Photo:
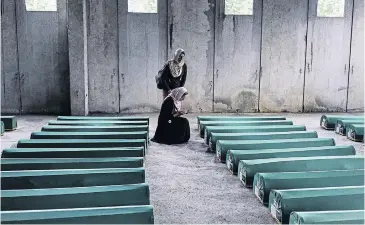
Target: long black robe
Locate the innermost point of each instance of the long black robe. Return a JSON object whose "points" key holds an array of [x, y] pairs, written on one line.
{"points": [[170, 129]]}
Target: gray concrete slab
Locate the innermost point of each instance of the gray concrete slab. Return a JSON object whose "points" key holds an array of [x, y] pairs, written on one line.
{"points": [[103, 56], [187, 185], [10, 87], [43, 59], [77, 39], [328, 52], [356, 79], [191, 27], [284, 27], [237, 60]]}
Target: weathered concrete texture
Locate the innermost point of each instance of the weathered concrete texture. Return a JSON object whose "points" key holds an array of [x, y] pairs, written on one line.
{"points": [[43, 59], [103, 56], [356, 79], [10, 92], [77, 38], [191, 27], [283, 55], [237, 61], [163, 31], [328, 52], [138, 91]]}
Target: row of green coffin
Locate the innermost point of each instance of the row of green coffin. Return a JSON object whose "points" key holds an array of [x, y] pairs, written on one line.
{"points": [[142, 214], [11, 164], [254, 129], [237, 118], [248, 168], [283, 202], [73, 152], [204, 124], [10, 122], [224, 146], [263, 182], [328, 217], [258, 136], [235, 156], [328, 122], [342, 125], [355, 132]]}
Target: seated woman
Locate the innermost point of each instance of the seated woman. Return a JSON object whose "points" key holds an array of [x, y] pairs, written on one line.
{"points": [[171, 128]]}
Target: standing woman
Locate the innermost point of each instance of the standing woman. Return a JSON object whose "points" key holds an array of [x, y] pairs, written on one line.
{"points": [[171, 127], [174, 73]]}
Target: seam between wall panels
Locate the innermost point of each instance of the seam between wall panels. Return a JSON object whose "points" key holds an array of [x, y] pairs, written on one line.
{"points": [[350, 54], [214, 50], [17, 57], [305, 52], [118, 57], [260, 65]]}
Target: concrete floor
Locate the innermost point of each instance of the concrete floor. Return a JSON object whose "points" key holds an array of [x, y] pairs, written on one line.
{"points": [[186, 184]]}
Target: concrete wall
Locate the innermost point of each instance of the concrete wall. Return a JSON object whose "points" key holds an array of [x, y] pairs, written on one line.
{"points": [[327, 60], [35, 58], [139, 53], [237, 60], [356, 77], [103, 56], [283, 58]]}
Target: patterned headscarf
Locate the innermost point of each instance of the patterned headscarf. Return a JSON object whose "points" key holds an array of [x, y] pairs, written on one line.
{"points": [[177, 94], [176, 67]]}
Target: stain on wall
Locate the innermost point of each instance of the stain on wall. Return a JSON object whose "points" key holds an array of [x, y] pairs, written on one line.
{"points": [[327, 61], [283, 55]]}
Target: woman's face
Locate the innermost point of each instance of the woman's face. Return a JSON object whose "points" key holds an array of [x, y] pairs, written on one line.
{"points": [[183, 97], [181, 56]]}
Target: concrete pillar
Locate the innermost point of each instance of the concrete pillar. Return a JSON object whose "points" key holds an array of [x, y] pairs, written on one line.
{"points": [[77, 36]]}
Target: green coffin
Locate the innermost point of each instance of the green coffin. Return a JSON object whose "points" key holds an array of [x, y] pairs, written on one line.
{"points": [[89, 135], [126, 128], [261, 129], [265, 182], [328, 217], [2, 128], [118, 118], [238, 118], [100, 215], [96, 123], [355, 132], [341, 125], [283, 202], [258, 136], [40, 179], [248, 168], [75, 197], [72, 152], [204, 124], [224, 146], [70, 163], [80, 143], [10, 122], [328, 121], [235, 156]]}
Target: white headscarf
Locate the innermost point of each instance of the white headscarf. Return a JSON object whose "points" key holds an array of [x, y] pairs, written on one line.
{"points": [[177, 94], [176, 67]]}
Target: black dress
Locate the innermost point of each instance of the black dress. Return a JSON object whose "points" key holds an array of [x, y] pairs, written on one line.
{"points": [[170, 129]]}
